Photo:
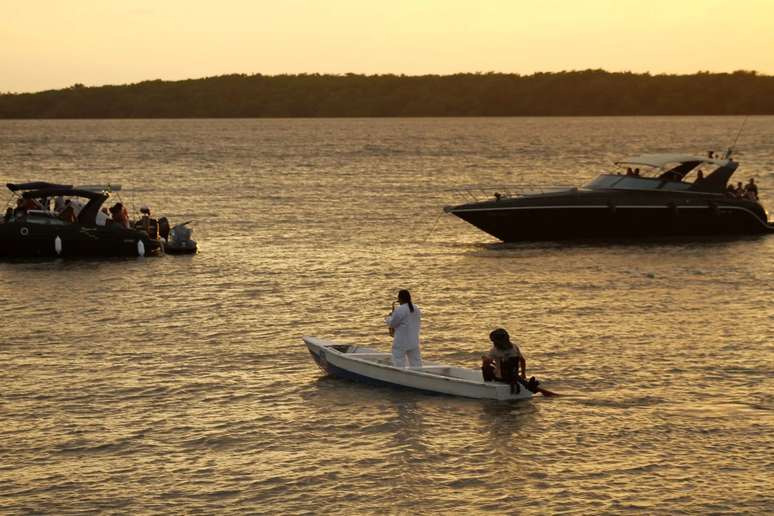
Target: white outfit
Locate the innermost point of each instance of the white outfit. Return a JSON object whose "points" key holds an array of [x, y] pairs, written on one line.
{"points": [[101, 218], [77, 206], [405, 341]]}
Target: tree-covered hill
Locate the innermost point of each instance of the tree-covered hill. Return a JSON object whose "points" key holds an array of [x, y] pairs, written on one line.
{"points": [[590, 92]]}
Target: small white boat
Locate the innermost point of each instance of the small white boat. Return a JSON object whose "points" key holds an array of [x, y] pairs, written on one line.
{"points": [[370, 366]]}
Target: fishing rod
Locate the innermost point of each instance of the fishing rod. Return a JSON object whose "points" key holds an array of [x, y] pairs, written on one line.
{"points": [[738, 134]]}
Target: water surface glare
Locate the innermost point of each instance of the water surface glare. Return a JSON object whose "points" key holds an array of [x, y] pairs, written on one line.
{"points": [[181, 384]]}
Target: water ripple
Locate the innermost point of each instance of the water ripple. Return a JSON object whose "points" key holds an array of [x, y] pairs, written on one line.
{"points": [[180, 384]]}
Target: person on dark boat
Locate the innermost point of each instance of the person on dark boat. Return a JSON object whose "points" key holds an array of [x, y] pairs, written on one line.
{"points": [[751, 190], [20, 210], [404, 323], [103, 216], [148, 224], [77, 206], [68, 213], [59, 204], [31, 204], [120, 215], [115, 213]]}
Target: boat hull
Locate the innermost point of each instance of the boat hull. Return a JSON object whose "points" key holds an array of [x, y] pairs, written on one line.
{"points": [[551, 222], [21, 238], [337, 360], [185, 247]]}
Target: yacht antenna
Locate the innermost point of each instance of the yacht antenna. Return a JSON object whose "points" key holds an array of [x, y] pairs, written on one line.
{"points": [[733, 146]]}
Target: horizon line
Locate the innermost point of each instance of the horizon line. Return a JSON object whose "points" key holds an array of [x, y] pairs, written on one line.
{"points": [[391, 74]]}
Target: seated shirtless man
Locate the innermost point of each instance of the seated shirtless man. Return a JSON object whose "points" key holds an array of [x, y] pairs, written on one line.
{"points": [[504, 362]]}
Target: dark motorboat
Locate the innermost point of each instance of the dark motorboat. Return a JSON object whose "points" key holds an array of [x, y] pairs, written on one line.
{"points": [[33, 230], [675, 199]]}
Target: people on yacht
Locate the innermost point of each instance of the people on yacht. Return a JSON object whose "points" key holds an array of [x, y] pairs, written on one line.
{"points": [[148, 224], [59, 204], [102, 217], [636, 172], [77, 206], [24, 205], [699, 177], [120, 215], [68, 213], [751, 190], [740, 191], [20, 210], [32, 204]]}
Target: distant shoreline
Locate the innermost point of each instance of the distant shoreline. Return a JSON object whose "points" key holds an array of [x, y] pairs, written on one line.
{"points": [[589, 93]]}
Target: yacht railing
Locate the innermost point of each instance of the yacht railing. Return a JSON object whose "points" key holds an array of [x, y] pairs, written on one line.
{"points": [[479, 193]]}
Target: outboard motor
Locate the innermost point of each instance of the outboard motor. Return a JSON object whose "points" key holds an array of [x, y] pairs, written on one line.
{"points": [[180, 233]]}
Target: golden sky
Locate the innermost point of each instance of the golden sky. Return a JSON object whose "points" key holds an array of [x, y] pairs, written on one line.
{"points": [[46, 44]]}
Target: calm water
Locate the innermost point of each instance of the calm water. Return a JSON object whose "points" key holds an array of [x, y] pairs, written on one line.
{"points": [[181, 384]]}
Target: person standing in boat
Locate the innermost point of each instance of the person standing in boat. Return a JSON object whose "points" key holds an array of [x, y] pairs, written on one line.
{"points": [[404, 323]]}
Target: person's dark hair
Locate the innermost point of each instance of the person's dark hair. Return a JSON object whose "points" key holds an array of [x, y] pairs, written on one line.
{"points": [[500, 339], [405, 297]]}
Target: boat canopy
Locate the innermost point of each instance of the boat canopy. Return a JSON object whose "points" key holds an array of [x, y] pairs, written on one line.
{"points": [[88, 214], [64, 192], [661, 160], [100, 188], [35, 185]]}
